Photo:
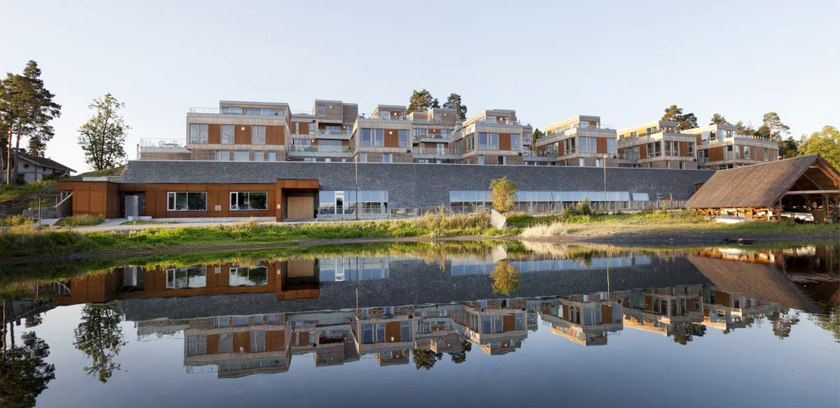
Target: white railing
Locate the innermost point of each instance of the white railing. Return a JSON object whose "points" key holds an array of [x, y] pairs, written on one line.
{"points": [[162, 143], [320, 149], [438, 152]]}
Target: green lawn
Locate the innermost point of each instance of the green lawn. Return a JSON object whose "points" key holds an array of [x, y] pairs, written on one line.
{"points": [[10, 193]]}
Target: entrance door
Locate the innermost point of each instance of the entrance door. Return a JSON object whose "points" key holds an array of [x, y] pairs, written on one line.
{"points": [[301, 207], [132, 206], [339, 202]]}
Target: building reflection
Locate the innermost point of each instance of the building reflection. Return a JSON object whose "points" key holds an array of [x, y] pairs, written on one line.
{"points": [[723, 289]]}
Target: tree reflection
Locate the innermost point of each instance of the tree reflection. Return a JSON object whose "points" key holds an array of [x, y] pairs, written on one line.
{"points": [[830, 322], [686, 332], [24, 373], [505, 278], [782, 323], [425, 358], [100, 337], [461, 356]]}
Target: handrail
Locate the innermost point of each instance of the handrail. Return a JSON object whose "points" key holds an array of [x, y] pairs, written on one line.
{"points": [[154, 142]]}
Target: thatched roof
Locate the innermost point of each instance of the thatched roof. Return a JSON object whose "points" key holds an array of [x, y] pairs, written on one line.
{"points": [[759, 185]]}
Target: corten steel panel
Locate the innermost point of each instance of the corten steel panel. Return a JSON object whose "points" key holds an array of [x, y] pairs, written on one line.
{"points": [[740, 151], [301, 207], [504, 141], [601, 145], [275, 135], [643, 150], [303, 338], [684, 149], [392, 138], [214, 134], [242, 134], [392, 331]]}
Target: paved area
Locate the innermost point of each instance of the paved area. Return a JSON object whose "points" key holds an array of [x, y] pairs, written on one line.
{"points": [[116, 224]]}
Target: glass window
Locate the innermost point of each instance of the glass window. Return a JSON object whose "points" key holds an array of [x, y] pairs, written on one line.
{"points": [[387, 158], [363, 157], [515, 142], [405, 330], [404, 141], [227, 134], [611, 146], [272, 156], [185, 278], [196, 345], [588, 145], [256, 276], [223, 155], [198, 133], [248, 200], [480, 159], [185, 201], [258, 135], [241, 155], [226, 343]]}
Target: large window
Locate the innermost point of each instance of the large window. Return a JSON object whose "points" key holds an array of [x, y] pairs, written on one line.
{"points": [[746, 153], [227, 134], [371, 202], [515, 142], [654, 149], [198, 133], [488, 141], [185, 278], [373, 138], [244, 276], [184, 201], [569, 146], [223, 155], [248, 200], [672, 148], [611, 146], [241, 155], [405, 141], [258, 135], [588, 144]]}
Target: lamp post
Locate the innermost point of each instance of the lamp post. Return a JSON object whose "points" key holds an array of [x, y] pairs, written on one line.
{"points": [[604, 165]]}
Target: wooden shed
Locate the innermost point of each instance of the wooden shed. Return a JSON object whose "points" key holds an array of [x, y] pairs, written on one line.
{"points": [[795, 187]]}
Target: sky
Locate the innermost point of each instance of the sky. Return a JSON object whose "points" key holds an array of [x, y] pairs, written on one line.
{"points": [[625, 61]]}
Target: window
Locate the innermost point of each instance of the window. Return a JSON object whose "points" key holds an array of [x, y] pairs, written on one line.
{"points": [[183, 201], [256, 276], [259, 156], [272, 156], [186, 278], [515, 142], [672, 148], [258, 135], [387, 158], [480, 159], [588, 145], [569, 145], [581, 162], [488, 141], [226, 343], [405, 142], [321, 110], [746, 152], [654, 149], [241, 155], [363, 157], [598, 163], [405, 330], [227, 134], [258, 341], [611, 146], [223, 155], [196, 345], [198, 133], [248, 200]]}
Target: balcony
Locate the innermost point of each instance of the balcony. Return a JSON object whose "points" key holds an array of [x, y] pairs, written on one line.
{"points": [[436, 153], [334, 134], [278, 113], [540, 156], [433, 137], [320, 151], [163, 146]]}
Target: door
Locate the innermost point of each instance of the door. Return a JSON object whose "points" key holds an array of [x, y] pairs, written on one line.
{"points": [[301, 207], [339, 202], [132, 206]]}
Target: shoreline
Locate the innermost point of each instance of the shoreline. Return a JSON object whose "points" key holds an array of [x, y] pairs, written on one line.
{"points": [[675, 239]]}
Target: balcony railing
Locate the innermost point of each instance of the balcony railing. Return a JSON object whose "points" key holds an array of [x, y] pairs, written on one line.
{"points": [[430, 151], [539, 153], [377, 117], [163, 143], [242, 112], [320, 149], [342, 134]]}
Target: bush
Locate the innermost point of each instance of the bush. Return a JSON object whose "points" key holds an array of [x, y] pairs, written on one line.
{"points": [[15, 220], [81, 220], [545, 231]]}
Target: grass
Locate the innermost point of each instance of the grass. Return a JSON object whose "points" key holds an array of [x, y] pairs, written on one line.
{"points": [[82, 220], [116, 171], [15, 221], [22, 241], [144, 222], [12, 192]]}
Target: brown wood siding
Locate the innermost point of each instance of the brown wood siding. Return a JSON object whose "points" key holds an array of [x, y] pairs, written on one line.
{"points": [[606, 314], [214, 134], [508, 321], [213, 344], [683, 149], [392, 330], [504, 141], [757, 153], [716, 154], [303, 128], [601, 145], [392, 138], [242, 134], [275, 340], [275, 135], [642, 150], [561, 148]]}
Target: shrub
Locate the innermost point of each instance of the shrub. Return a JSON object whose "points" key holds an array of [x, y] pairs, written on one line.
{"points": [[81, 220], [15, 220], [545, 231]]}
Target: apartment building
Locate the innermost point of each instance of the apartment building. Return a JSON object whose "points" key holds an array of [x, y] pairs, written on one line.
{"points": [[657, 144], [322, 134], [580, 141], [722, 147], [492, 137]]}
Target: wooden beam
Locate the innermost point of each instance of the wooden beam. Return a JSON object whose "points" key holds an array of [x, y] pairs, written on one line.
{"points": [[801, 192]]}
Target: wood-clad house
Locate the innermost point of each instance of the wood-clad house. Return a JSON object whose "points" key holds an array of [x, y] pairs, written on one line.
{"points": [[765, 191]]}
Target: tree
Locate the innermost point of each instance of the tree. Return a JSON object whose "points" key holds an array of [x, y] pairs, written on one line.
{"points": [[502, 193], [420, 101], [27, 108], [102, 137], [25, 373], [461, 356], [788, 148], [536, 135], [675, 114], [100, 337], [826, 143], [454, 102], [425, 358], [686, 332], [772, 127], [718, 119], [505, 278]]}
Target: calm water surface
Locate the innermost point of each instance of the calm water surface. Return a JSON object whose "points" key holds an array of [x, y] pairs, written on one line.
{"points": [[474, 324]]}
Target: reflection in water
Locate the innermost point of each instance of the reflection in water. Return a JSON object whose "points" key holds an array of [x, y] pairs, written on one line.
{"points": [[239, 318]]}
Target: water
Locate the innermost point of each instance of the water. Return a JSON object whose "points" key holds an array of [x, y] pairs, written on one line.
{"points": [[430, 324]]}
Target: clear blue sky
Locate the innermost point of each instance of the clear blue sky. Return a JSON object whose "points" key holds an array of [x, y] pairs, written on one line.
{"points": [[625, 61]]}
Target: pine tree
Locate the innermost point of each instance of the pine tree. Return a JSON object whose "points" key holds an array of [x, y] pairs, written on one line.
{"points": [[420, 101], [718, 119], [675, 114], [102, 137], [454, 102]]}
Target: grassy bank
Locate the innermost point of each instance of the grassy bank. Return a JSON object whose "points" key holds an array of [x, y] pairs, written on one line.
{"points": [[28, 241]]}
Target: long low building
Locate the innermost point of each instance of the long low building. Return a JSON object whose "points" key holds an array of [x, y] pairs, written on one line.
{"points": [[307, 190]]}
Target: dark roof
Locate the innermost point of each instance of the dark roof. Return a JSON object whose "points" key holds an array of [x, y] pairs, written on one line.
{"points": [[44, 162], [759, 185]]}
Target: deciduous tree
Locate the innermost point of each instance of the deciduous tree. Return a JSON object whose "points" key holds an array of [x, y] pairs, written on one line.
{"points": [[826, 143], [505, 278], [100, 337], [503, 193], [102, 137]]}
